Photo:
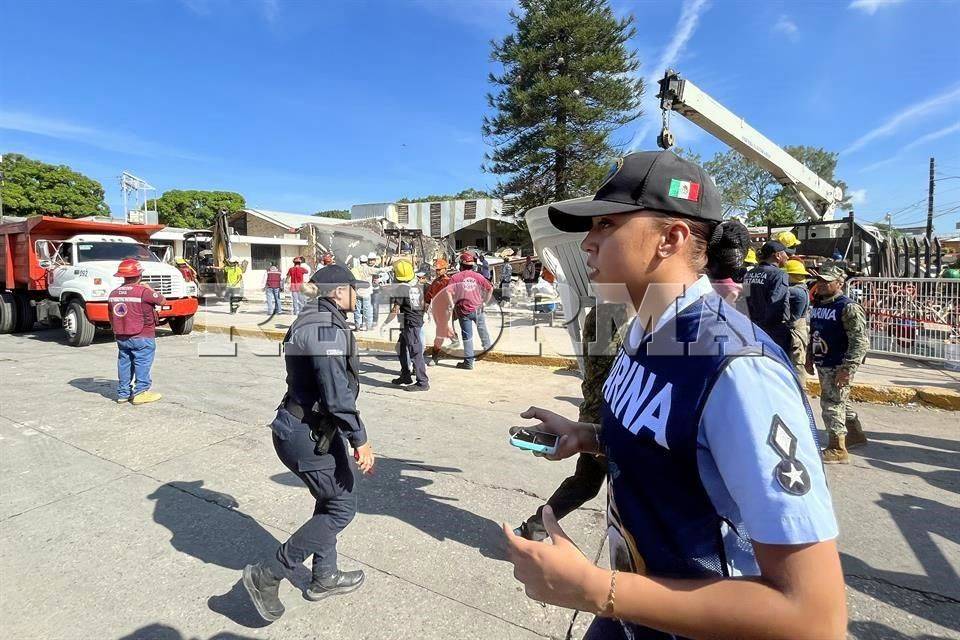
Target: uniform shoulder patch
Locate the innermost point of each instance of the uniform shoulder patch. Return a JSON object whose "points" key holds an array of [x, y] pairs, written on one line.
{"points": [[790, 473]]}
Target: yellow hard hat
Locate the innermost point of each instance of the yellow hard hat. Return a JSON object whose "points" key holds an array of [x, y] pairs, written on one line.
{"points": [[796, 268], [751, 257], [403, 271], [787, 239]]}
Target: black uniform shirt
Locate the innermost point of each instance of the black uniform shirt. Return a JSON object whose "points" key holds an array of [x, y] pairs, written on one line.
{"points": [[322, 364], [409, 297]]}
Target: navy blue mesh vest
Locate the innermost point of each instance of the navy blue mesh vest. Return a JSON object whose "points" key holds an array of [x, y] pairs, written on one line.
{"points": [[661, 519], [828, 336]]}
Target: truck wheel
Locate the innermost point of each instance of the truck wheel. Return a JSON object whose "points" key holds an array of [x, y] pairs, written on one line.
{"points": [[80, 330], [8, 312], [181, 325], [26, 314]]}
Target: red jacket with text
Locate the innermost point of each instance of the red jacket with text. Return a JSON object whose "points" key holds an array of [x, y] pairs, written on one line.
{"points": [[133, 311]]}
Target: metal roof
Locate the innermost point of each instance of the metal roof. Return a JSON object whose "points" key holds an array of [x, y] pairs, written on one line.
{"points": [[292, 220]]}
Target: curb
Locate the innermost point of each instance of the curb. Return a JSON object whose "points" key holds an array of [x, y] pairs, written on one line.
{"points": [[556, 362], [947, 399], [880, 394]]}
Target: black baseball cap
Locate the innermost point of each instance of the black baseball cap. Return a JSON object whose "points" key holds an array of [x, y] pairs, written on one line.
{"points": [[652, 180], [771, 247], [337, 275]]}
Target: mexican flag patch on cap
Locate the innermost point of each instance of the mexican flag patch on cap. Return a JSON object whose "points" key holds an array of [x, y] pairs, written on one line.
{"points": [[685, 190]]}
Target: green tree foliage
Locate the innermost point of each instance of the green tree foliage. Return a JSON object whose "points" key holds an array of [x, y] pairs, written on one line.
{"points": [[31, 187], [568, 82], [195, 209], [343, 214], [747, 189], [466, 194]]}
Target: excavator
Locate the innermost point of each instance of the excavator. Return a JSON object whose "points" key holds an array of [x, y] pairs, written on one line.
{"points": [[207, 252]]}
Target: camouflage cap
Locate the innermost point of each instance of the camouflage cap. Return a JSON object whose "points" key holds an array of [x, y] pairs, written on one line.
{"points": [[831, 271]]}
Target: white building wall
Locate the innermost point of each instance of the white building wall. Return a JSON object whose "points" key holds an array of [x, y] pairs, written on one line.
{"points": [[377, 210]]}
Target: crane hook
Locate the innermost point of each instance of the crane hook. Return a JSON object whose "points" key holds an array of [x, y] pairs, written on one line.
{"points": [[665, 140]]}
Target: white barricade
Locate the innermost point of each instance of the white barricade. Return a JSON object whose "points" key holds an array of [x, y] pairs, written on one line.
{"points": [[911, 317]]}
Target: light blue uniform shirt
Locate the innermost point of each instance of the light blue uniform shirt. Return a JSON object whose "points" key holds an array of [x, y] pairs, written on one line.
{"points": [[738, 458]]}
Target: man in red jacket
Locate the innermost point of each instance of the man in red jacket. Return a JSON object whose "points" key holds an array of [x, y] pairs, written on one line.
{"points": [[133, 317]]}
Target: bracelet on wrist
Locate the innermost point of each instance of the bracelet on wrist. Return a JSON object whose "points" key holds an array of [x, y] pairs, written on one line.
{"points": [[609, 607]]}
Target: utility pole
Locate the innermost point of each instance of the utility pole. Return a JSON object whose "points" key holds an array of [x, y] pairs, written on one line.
{"points": [[930, 205]]}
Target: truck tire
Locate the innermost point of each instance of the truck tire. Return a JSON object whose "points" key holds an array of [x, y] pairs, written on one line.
{"points": [[80, 331], [26, 314], [8, 312], [181, 325]]}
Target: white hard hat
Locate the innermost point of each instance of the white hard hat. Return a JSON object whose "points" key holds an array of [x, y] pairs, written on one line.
{"points": [[372, 256]]}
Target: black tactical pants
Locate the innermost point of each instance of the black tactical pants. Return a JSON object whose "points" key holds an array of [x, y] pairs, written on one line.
{"points": [[330, 479], [583, 486], [410, 347]]}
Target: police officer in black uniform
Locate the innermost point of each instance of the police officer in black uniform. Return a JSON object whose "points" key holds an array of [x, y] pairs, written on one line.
{"points": [[317, 414], [767, 289]]}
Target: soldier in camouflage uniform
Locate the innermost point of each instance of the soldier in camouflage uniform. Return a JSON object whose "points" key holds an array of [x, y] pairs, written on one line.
{"points": [[599, 353], [839, 342]]}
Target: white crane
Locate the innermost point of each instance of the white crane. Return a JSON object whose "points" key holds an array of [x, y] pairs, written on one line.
{"points": [[818, 197]]}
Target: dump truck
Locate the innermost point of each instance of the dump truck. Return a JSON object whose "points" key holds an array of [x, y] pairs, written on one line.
{"points": [[59, 271]]}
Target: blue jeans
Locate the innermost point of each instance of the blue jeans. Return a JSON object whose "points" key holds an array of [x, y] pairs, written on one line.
{"points": [[363, 313], [134, 359], [466, 328], [298, 301], [273, 301]]}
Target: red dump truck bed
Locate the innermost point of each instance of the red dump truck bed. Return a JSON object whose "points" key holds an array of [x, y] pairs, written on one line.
{"points": [[19, 266]]}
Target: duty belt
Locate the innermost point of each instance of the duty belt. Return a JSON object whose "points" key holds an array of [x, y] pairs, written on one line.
{"points": [[322, 429]]}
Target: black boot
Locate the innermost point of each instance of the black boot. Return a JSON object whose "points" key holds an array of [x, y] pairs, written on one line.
{"points": [[405, 378], [336, 584], [263, 586]]}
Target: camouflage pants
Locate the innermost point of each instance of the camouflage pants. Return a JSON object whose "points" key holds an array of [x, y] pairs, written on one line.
{"points": [[799, 338], [834, 401]]}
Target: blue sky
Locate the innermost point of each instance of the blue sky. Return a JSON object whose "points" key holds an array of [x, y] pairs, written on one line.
{"points": [[303, 105]]}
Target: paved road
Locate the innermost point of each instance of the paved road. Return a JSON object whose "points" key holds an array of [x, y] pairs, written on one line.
{"points": [[134, 522]]}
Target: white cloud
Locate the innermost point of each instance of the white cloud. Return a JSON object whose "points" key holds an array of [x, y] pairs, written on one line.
{"points": [[911, 113], [787, 27], [870, 7], [107, 140], [935, 135], [857, 196], [684, 30], [922, 140]]}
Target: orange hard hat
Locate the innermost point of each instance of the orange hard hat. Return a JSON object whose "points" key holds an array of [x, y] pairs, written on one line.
{"points": [[441, 263], [129, 268]]}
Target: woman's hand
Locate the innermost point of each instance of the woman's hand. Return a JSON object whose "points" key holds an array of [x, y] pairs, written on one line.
{"points": [[364, 457], [557, 573], [575, 437]]}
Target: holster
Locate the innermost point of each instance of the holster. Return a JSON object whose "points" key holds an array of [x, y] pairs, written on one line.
{"points": [[322, 428]]}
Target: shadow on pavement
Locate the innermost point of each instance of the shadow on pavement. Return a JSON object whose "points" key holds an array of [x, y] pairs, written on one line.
{"points": [[921, 522], [933, 452], [158, 631], [392, 491], [101, 386], [863, 630], [220, 536]]}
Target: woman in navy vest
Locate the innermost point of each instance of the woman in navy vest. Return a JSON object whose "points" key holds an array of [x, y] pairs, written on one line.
{"points": [[714, 469]]}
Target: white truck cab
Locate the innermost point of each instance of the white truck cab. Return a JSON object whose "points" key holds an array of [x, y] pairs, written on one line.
{"points": [[81, 276]]}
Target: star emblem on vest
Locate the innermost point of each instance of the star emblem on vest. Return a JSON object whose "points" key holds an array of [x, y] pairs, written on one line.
{"points": [[790, 473]]}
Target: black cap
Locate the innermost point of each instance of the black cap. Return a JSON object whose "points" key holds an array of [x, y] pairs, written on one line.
{"points": [[770, 248], [337, 275], [652, 180]]}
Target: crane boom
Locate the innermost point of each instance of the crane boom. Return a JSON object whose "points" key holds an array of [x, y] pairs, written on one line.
{"points": [[817, 196]]}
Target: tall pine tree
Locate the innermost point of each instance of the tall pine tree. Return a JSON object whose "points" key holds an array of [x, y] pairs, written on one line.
{"points": [[568, 82]]}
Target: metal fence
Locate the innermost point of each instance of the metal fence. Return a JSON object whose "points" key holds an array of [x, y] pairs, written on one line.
{"points": [[911, 317]]}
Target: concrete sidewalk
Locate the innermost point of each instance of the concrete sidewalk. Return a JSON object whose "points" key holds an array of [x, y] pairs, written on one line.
{"points": [[520, 339]]}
